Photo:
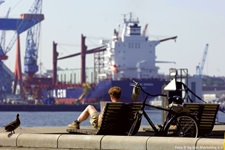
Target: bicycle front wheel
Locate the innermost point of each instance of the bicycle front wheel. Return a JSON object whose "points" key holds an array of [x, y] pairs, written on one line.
{"points": [[182, 126]]}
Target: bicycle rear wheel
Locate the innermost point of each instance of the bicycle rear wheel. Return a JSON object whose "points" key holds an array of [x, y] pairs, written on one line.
{"points": [[182, 126], [136, 124]]}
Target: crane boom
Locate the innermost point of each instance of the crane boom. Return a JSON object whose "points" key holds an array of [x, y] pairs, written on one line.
{"points": [[145, 30], [199, 68]]}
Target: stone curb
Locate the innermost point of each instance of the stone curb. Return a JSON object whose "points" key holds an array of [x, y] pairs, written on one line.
{"points": [[69, 141], [80, 141]]}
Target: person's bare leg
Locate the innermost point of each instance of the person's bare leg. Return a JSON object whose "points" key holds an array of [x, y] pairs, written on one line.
{"points": [[86, 113]]}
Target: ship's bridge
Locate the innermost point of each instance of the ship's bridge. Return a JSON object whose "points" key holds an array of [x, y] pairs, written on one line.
{"points": [[134, 30]]}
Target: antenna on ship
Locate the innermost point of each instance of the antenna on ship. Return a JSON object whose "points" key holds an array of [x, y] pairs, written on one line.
{"points": [[131, 14], [124, 17], [125, 24]]}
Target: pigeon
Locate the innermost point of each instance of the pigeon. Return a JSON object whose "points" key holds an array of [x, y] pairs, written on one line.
{"points": [[11, 127]]}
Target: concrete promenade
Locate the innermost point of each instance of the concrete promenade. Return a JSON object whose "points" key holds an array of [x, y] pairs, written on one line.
{"points": [[52, 138]]}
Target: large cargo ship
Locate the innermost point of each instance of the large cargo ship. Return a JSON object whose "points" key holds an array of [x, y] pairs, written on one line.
{"points": [[129, 55]]}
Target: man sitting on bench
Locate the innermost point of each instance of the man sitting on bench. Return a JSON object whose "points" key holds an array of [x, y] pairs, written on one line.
{"points": [[95, 117]]}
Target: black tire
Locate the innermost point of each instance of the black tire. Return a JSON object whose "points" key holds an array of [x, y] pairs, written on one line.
{"points": [[182, 126]]}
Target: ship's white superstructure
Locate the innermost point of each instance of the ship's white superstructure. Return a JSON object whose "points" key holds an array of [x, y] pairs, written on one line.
{"points": [[131, 54]]}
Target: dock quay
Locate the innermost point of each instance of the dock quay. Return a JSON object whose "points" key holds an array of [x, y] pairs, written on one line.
{"points": [[56, 138]]}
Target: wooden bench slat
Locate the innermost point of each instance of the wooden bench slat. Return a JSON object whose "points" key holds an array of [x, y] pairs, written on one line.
{"points": [[206, 114], [117, 119]]}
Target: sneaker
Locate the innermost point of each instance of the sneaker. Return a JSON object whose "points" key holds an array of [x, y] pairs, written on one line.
{"points": [[74, 125]]}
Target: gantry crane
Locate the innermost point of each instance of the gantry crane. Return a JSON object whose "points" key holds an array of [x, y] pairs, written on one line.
{"points": [[32, 43], [200, 67], [4, 88], [19, 26], [31, 52]]}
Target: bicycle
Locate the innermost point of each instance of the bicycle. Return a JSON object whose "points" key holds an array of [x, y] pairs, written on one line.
{"points": [[180, 121]]}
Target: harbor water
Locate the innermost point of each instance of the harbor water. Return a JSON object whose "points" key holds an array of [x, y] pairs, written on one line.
{"points": [[51, 119]]}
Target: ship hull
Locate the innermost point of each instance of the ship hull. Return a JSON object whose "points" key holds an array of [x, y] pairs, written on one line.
{"points": [[100, 92]]}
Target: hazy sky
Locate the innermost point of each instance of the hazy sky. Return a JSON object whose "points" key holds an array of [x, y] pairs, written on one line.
{"points": [[196, 23]]}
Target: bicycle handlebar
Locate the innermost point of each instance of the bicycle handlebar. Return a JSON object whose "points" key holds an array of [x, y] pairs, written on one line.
{"points": [[137, 85]]}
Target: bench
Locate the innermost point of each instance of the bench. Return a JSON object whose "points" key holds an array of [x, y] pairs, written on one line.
{"points": [[206, 115], [117, 119]]}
